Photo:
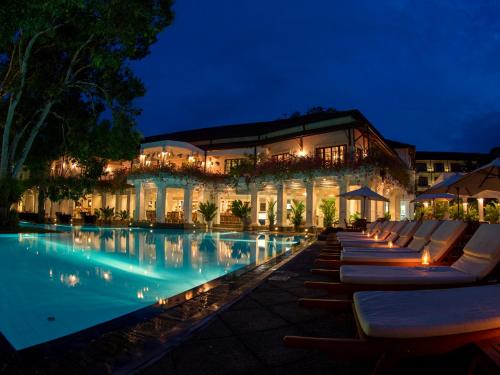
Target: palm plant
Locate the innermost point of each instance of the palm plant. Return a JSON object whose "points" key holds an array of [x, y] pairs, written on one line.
{"points": [[271, 216], [107, 213], [208, 210], [241, 210], [123, 215], [328, 209], [298, 209]]}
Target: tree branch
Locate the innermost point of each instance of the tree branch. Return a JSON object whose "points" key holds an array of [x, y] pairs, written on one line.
{"points": [[34, 132]]}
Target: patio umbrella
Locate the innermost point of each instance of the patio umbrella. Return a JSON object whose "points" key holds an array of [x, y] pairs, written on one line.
{"points": [[485, 178], [443, 186], [364, 194]]}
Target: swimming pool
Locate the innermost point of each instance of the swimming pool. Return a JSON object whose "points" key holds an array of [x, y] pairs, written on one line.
{"points": [[55, 284]]}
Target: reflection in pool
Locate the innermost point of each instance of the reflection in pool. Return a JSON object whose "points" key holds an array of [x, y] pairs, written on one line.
{"points": [[59, 283]]}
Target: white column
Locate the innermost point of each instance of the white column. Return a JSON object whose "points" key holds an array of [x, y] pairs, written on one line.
{"points": [[343, 187], [281, 205], [139, 202], [216, 198], [480, 208], [188, 205], [254, 203], [160, 202], [118, 203], [129, 201], [103, 200], [310, 204]]}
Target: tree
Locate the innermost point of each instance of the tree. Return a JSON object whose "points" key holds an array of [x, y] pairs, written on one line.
{"points": [[63, 59]]}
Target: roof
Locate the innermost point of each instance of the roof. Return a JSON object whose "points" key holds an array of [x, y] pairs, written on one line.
{"points": [[397, 144], [445, 155], [260, 132]]}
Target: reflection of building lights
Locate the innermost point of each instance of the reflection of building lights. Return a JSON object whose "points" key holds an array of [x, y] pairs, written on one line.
{"points": [[140, 295], [89, 240], [50, 273], [106, 276]]}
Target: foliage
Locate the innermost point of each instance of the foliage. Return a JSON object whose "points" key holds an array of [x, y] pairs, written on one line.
{"points": [[328, 209], [471, 214], [97, 213], [271, 215], [354, 217], [241, 209], [456, 211], [440, 210], [208, 210], [298, 209], [387, 215], [107, 213], [66, 85], [123, 215], [492, 212]]}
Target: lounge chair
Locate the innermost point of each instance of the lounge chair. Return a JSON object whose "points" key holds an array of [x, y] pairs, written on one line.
{"points": [[420, 238], [404, 324], [481, 256], [370, 231], [389, 235], [442, 242]]}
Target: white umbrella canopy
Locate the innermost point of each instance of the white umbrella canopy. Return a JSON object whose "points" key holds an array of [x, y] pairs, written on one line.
{"points": [[364, 194], [443, 186], [429, 197], [482, 179], [487, 194]]}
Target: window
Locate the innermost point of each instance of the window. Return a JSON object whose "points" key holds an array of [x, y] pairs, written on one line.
{"points": [[456, 167], [423, 181], [438, 167], [421, 167], [262, 207], [331, 155], [281, 157], [231, 163]]}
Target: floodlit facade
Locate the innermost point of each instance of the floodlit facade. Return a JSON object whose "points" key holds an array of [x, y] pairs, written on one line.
{"points": [[306, 158]]}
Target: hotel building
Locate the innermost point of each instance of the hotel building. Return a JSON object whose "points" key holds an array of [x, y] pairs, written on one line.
{"points": [[306, 158]]}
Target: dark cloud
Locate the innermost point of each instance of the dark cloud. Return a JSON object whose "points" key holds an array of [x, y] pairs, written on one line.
{"points": [[424, 72]]}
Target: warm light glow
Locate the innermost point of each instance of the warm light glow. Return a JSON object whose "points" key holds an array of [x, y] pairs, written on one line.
{"points": [[390, 243], [275, 228], [191, 159], [376, 237], [363, 232], [301, 153], [106, 276], [426, 257], [426, 204]]}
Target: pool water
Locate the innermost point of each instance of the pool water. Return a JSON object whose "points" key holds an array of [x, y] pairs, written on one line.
{"points": [[55, 284]]}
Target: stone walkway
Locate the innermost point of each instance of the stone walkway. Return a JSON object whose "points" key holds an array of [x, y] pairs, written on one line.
{"points": [[247, 337]]}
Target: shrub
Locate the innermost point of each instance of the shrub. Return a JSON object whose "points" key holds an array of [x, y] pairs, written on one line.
{"points": [[271, 216], [328, 209], [240, 209], [492, 213], [208, 210], [298, 209]]}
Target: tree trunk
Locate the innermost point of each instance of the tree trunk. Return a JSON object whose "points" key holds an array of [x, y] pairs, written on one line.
{"points": [[41, 205]]}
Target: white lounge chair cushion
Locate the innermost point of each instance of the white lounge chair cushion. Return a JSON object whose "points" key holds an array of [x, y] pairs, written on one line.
{"points": [[388, 275], [378, 249], [386, 257], [482, 252], [444, 237], [423, 234], [428, 313]]}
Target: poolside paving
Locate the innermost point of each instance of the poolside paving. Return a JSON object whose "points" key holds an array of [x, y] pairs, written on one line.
{"points": [[247, 337]]}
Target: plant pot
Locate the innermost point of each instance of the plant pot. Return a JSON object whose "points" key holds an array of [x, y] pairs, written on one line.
{"points": [[210, 224], [246, 223], [271, 227]]}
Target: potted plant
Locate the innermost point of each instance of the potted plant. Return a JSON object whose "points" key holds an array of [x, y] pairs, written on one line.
{"points": [[298, 209], [242, 211], [107, 214], [271, 215], [208, 210], [328, 209], [123, 215]]}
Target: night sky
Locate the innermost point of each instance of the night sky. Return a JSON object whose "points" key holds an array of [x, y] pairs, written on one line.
{"points": [[423, 72]]}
